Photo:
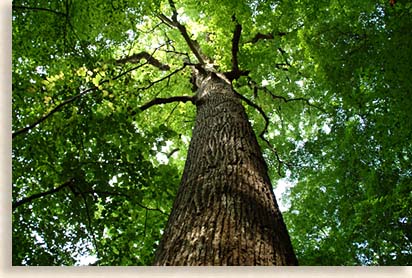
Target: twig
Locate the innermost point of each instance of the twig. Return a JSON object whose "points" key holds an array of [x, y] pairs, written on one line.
{"points": [[149, 31], [126, 196], [151, 83], [145, 224], [172, 152], [283, 53], [260, 36], [58, 107], [171, 112]]}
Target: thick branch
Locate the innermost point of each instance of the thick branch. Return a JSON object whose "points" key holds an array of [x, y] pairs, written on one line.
{"points": [[158, 101], [166, 21], [42, 194], [193, 45], [235, 72], [260, 36], [235, 47], [135, 58]]}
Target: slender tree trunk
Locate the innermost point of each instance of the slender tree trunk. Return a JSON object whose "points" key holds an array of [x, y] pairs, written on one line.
{"points": [[225, 212]]}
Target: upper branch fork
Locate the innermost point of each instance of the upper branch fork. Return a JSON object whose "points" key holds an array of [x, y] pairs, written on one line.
{"points": [[235, 72], [174, 23]]}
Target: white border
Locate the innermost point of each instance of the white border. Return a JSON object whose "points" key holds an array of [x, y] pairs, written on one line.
{"points": [[6, 270]]}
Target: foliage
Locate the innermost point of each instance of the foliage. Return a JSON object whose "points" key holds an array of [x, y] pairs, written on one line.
{"points": [[332, 77], [351, 204]]}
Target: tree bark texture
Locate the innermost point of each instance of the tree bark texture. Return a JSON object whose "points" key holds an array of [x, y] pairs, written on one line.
{"points": [[225, 212]]}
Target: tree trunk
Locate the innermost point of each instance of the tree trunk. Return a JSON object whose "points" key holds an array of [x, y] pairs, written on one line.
{"points": [[225, 212]]}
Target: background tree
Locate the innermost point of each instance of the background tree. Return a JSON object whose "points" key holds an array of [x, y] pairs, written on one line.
{"points": [[95, 170]]}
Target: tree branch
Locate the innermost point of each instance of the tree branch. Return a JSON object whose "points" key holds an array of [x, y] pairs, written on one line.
{"points": [[260, 36], [235, 73], [58, 107], [172, 152], [89, 221], [193, 45], [126, 196], [158, 101], [254, 86], [265, 129], [135, 58], [283, 53], [16, 7], [235, 46], [42, 194], [51, 112], [260, 110], [151, 83], [167, 21]]}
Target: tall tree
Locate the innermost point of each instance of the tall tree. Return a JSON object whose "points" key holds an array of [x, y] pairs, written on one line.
{"points": [[225, 212], [107, 96], [225, 181]]}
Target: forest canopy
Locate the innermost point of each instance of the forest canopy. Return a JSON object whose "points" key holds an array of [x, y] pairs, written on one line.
{"points": [[102, 118]]}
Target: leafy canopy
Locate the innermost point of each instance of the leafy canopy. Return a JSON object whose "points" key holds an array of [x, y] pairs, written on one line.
{"points": [[95, 171]]}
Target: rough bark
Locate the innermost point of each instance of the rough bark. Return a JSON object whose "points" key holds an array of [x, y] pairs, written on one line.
{"points": [[225, 212]]}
